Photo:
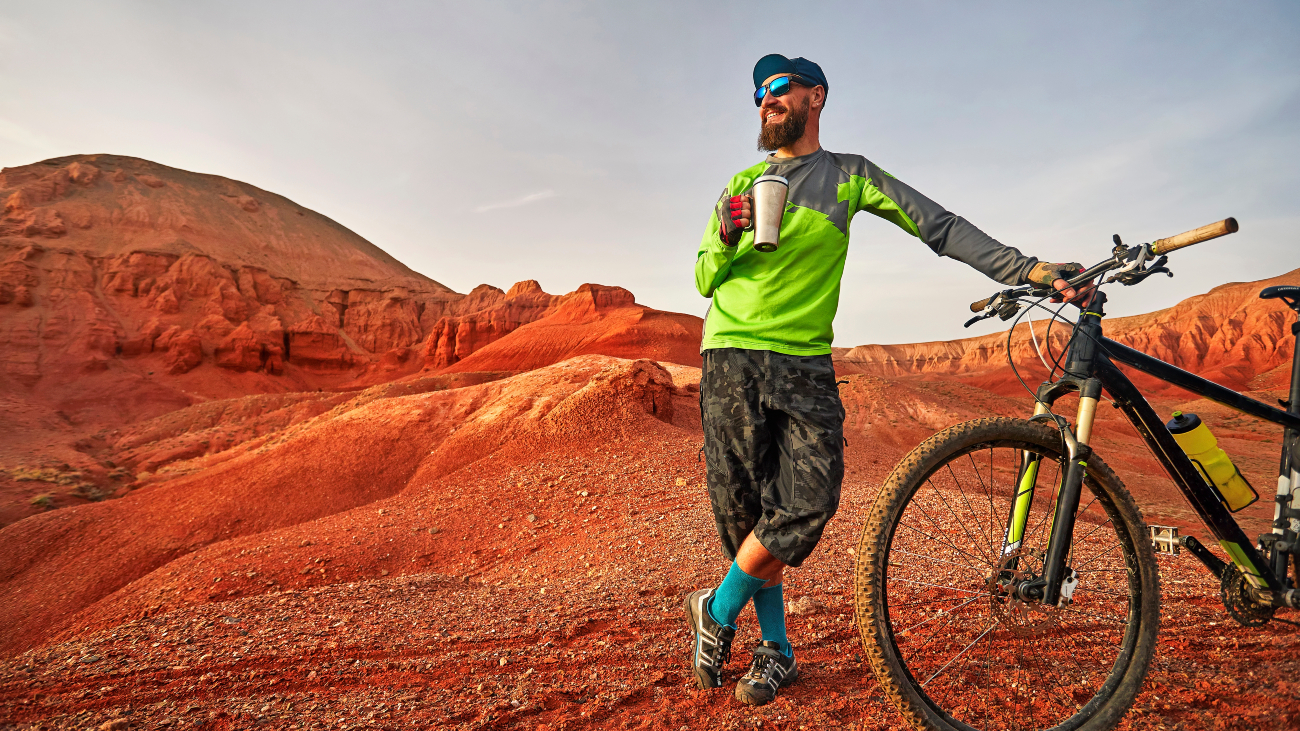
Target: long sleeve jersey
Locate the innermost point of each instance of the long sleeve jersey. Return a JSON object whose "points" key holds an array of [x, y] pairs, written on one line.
{"points": [[785, 301]]}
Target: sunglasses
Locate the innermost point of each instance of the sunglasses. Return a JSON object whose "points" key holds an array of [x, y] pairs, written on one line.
{"points": [[778, 87]]}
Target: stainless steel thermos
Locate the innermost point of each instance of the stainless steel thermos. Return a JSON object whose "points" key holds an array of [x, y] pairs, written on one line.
{"points": [[769, 206]]}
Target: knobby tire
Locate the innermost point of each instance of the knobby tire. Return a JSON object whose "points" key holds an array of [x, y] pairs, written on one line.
{"points": [[937, 601]]}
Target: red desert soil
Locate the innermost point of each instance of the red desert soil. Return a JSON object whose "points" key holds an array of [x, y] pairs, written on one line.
{"points": [[481, 511]]}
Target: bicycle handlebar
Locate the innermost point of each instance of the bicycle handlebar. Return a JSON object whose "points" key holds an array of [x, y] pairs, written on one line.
{"points": [[1195, 236], [1158, 247]]}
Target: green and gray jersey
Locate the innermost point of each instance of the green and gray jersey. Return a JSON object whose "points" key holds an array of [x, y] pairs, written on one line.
{"points": [[785, 301]]}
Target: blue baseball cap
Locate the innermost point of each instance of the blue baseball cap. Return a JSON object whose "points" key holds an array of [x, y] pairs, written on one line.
{"points": [[774, 63]]}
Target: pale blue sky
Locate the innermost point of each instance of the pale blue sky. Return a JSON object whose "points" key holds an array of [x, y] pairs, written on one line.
{"points": [[585, 142]]}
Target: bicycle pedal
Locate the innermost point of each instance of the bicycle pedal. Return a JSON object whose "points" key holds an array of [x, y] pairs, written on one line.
{"points": [[1164, 539]]}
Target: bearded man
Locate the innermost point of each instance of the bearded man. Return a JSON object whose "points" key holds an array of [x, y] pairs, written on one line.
{"points": [[773, 422]]}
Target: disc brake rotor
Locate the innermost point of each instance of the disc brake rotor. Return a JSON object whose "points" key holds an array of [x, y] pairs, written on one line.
{"points": [[1021, 618]]}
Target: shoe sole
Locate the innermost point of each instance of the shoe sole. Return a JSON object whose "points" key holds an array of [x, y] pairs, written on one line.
{"points": [[695, 645], [744, 696], [743, 692]]}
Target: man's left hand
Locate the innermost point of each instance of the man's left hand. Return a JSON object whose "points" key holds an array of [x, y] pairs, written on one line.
{"points": [[735, 213]]}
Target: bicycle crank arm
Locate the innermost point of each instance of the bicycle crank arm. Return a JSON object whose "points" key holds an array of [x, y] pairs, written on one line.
{"points": [[1212, 562]]}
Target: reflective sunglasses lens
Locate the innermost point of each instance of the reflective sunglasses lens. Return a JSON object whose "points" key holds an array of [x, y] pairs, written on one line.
{"points": [[780, 86], [759, 93]]}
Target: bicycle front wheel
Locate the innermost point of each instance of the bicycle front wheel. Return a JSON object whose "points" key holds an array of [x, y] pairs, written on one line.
{"points": [[950, 646]]}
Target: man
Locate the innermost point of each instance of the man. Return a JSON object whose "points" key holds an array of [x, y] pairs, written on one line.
{"points": [[773, 423]]}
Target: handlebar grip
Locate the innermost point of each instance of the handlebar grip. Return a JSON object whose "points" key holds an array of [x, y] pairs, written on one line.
{"points": [[1204, 233], [977, 306]]}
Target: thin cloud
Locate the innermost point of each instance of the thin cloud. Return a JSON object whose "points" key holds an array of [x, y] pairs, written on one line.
{"points": [[540, 195]]}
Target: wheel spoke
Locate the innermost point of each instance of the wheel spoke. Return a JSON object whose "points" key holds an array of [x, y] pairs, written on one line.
{"points": [[938, 586], [963, 652], [962, 524], [940, 540], [939, 615], [935, 560]]}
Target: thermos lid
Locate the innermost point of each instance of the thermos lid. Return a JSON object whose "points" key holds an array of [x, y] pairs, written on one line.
{"points": [[1182, 423], [772, 179]]}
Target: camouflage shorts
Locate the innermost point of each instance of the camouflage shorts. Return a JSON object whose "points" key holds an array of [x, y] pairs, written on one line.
{"points": [[774, 444]]}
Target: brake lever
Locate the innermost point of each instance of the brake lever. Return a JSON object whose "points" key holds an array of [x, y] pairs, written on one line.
{"points": [[1143, 251], [1000, 305], [1129, 278]]}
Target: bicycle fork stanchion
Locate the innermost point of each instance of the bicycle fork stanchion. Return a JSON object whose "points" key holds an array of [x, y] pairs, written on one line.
{"points": [[1027, 476], [1019, 519]]}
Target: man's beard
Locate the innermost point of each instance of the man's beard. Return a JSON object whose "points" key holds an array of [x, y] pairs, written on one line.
{"points": [[773, 137]]}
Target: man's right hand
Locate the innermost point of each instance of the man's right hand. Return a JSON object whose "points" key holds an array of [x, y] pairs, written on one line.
{"points": [[1054, 276], [734, 216]]}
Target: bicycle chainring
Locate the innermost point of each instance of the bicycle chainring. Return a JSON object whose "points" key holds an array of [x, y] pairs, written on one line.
{"points": [[1237, 600], [1021, 618]]}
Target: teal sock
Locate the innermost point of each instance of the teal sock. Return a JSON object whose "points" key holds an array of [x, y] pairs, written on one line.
{"points": [[732, 595], [769, 605]]}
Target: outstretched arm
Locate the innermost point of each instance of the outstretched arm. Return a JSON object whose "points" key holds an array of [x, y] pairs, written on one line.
{"points": [[947, 234]]}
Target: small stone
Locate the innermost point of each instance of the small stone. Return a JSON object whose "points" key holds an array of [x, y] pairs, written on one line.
{"points": [[530, 518], [87, 659], [383, 572], [803, 605], [503, 662], [681, 482], [117, 724]]}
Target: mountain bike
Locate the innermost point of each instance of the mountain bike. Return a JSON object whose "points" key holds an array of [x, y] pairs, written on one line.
{"points": [[1005, 578]]}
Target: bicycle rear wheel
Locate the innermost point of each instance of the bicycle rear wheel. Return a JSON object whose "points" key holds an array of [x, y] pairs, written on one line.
{"points": [[951, 649]]}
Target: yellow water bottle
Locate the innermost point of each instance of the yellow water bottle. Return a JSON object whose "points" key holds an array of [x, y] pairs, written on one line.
{"points": [[1219, 471]]}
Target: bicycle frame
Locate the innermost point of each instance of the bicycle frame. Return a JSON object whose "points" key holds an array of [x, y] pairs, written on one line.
{"points": [[1090, 368]]}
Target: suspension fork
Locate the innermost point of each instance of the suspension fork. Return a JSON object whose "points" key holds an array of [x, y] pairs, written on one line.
{"points": [[1048, 589], [1055, 572]]}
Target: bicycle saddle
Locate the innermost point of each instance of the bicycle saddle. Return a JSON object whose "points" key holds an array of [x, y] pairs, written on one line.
{"points": [[1286, 291]]}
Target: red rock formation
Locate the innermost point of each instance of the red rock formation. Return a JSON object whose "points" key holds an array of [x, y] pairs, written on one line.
{"points": [[592, 319], [101, 255], [128, 289], [493, 316]]}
